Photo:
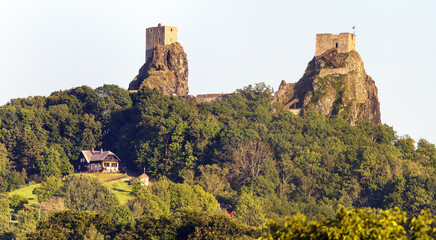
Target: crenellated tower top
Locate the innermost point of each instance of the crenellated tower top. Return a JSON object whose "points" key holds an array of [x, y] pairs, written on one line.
{"points": [[343, 42]]}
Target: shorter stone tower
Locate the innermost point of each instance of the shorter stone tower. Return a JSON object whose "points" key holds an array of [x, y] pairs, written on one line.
{"points": [[160, 35], [344, 42]]}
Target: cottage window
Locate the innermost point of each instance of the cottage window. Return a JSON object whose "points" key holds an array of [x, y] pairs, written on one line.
{"points": [[106, 164], [114, 164]]}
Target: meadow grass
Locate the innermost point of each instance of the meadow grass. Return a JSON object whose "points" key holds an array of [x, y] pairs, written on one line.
{"points": [[27, 192], [122, 189], [103, 176]]}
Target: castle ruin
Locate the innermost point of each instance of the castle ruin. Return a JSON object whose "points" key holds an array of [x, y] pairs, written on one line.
{"points": [[343, 43], [160, 35]]}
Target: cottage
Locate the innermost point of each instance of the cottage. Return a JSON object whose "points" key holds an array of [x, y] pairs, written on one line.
{"points": [[98, 161], [144, 178]]}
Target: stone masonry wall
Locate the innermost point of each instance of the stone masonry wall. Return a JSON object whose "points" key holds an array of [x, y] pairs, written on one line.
{"points": [[160, 35], [211, 97], [170, 35], [332, 71], [344, 42]]}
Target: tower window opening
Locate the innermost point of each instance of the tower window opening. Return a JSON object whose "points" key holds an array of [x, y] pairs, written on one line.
{"points": [[336, 45]]}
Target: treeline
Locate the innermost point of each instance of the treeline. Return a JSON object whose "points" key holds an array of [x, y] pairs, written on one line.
{"points": [[266, 162], [346, 224], [270, 163], [43, 136], [192, 225]]}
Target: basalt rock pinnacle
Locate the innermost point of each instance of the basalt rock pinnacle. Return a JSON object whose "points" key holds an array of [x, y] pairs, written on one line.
{"points": [[167, 71], [333, 84]]}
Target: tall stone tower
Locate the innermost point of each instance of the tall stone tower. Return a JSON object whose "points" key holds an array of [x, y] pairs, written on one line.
{"points": [[160, 35], [344, 42]]}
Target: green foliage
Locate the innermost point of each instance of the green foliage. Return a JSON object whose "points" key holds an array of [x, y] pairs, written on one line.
{"points": [[77, 225], [48, 188], [167, 198], [122, 213], [93, 234], [4, 214], [138, 189], [191, 225], [356, 224], [17, 202], [42, 134], [54, 162], [9, 180], [249, 210], [87, 193], [195, 225], [266, 164]]}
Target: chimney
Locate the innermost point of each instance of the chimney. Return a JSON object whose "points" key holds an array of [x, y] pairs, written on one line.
{"points": [[101, 150], [92, 150]]}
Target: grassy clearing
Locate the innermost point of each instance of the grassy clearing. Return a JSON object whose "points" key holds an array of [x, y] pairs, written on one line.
{"points": [[103, 176], [27, 192], [123, 190]]}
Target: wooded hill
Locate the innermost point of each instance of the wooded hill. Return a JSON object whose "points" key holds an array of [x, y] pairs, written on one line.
{"points": [[266, 162]]}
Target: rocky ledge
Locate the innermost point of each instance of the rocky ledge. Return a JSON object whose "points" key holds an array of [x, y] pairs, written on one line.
{"points": [[166, 71], [333, 85]]}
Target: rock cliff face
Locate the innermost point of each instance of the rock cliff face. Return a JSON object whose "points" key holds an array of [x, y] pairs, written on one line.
{"points": [[167, 71], [333, 84]]}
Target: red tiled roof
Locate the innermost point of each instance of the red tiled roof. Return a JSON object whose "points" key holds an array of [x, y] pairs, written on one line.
{"points": [[143, 176]]}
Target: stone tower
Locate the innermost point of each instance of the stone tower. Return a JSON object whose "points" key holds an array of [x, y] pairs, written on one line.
{"points": [[160, 35], [344, 42]]}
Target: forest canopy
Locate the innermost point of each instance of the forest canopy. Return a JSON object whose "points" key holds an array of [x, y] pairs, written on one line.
{"points": [[242, 151]]}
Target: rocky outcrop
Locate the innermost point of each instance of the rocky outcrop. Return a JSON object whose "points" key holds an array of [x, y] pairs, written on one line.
{"points": [[342, 88], [167, 71]]}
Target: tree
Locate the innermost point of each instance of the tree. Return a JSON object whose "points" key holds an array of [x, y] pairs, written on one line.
{"points": [[249, 209], [5, 168], [407, 146], [4, 214], [168, 198], [87, 193], [196, 225], [213, 179], [76, 225], [348, 224], [48, 188], [247, 159], [138, 189], [122, 213], [17, 202], [54, 162], [93, 234], [426, 153]]}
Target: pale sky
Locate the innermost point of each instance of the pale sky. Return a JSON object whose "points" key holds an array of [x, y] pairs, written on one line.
{"points": [[50, 45]]}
